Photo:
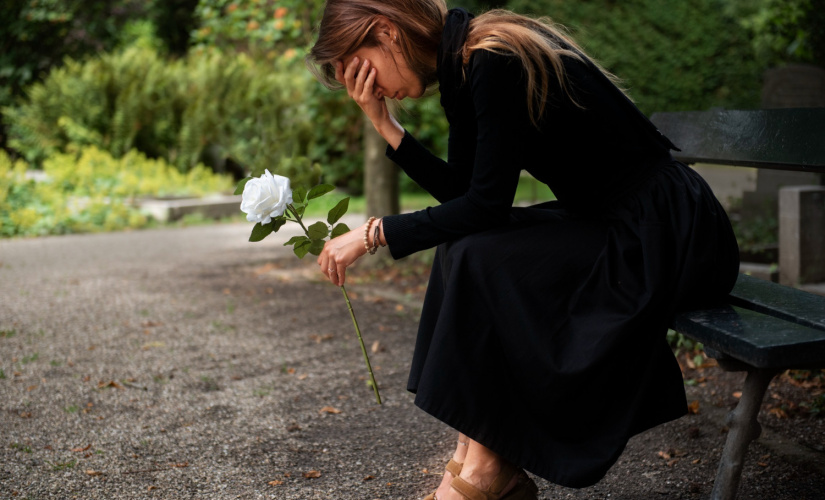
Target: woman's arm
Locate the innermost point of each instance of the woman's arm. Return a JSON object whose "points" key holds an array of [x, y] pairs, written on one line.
{"points": [[504, 142], [443, 180]]}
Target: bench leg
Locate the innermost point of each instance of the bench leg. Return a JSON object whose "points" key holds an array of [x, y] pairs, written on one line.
{"points": [[744, 428]]}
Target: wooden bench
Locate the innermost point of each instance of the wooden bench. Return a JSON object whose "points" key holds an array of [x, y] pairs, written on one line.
{"points": [[766, 328]]}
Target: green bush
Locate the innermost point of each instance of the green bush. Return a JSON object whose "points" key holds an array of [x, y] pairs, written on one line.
{"points": [[221, 109], [89, 190], [256, 26], [672, 56]]}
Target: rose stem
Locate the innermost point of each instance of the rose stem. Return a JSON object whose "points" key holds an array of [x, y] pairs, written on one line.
{"points": [[363, 348], [352, 315]]}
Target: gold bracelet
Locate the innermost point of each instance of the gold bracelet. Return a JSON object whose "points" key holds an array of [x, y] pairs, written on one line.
{"points": [[366, 236]]}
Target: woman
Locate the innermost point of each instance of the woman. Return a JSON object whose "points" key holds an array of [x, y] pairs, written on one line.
{"points": [[542, 339]]}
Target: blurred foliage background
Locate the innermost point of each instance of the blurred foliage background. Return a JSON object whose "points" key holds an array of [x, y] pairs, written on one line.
{"points": [[220, 86]]}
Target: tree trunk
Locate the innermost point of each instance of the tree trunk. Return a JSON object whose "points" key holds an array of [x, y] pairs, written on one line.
{"points": [[380, 178]]}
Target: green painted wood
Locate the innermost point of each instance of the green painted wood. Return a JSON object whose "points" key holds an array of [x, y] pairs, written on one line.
{"points": [[785, 139], [780, 301], [757, 339]]}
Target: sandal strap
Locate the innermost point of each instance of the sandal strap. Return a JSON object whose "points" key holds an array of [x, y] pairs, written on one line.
{"points": [[493, 492], [454, 467], [469, 491]]}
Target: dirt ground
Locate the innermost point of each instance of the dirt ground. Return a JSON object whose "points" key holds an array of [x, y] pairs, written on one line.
{"points": [[188, 363]]}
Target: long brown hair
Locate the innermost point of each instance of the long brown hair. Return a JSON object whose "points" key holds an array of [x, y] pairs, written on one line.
{"points": [[348, 24]]}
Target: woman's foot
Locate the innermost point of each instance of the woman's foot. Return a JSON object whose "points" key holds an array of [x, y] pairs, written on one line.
{"points": [[481, 468], [458, 457]]}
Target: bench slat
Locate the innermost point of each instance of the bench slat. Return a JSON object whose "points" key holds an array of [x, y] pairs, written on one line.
{"points": [[780, 301], [755, 338], [786, 139]]}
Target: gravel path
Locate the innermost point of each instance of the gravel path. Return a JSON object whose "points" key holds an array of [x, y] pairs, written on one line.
{"points": [[189, 363]]}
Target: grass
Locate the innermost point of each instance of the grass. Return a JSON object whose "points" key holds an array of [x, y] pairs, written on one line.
{"points": [[529, 191]]}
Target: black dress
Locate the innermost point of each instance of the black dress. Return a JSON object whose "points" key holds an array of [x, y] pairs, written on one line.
{"points": [[543, 329]]}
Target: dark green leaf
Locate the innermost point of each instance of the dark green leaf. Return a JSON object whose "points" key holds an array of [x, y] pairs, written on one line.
{"points": [[277, 223], [316, 247], [241, 184], [302, 248], [338, 211], [295, 239], [319, 190], [339, 230], [318, 231], [260, 232], [299, 195]]}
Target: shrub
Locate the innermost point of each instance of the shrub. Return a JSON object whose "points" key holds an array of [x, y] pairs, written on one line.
{"points": [[89, 190], [671, 55], [209, 107]]}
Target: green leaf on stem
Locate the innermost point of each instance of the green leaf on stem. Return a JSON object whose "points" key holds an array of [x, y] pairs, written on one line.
{"points": [[295, 239], [318, 231], [301, 248], [277, 223], [338, 211], [316, 247], [319, 190], [260, 232], [339, 230], [299, 196], [299, 208], [241, 185]]}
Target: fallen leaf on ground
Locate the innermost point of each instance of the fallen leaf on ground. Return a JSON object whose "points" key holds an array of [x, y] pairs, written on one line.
{"points": [[329, 409], [321, 338], [302, 376], [179, 465], [377, 347], [150, 488], [111, 383], [78, 449], [693, 407], [94, 473], [737, 394], [369, 478], [312, 474], [275, 483]]}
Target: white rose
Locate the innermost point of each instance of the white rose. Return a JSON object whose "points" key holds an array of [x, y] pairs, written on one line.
{"points": [[266, 197]]}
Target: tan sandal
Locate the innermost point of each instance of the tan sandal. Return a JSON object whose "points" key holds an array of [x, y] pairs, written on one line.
{"points": [[525, 488], [453, 468]]}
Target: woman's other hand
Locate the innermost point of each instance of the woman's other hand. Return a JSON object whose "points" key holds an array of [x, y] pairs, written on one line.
{"points": [[359, 78]]}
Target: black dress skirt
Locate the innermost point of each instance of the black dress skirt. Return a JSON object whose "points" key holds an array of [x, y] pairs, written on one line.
{"points": [[543, 329], [545, 340]]}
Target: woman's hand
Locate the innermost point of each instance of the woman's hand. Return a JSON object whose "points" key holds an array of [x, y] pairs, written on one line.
{"points": [[359, 78], [340, 252]]}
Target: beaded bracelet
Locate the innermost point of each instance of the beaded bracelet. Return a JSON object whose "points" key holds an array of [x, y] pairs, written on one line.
{"points": [[366, 236]]}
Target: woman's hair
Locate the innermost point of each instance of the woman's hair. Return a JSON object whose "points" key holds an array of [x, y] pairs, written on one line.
{"points": [[348, 25]]}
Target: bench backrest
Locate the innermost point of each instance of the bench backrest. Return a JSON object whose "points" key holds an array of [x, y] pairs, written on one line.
{"points": [[785, 139]]}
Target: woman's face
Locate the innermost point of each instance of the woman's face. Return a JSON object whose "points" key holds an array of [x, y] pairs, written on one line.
{"points": [[393, 79]]}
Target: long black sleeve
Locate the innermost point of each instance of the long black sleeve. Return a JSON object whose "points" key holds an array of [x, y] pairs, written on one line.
{"points": [[502, 133]]}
